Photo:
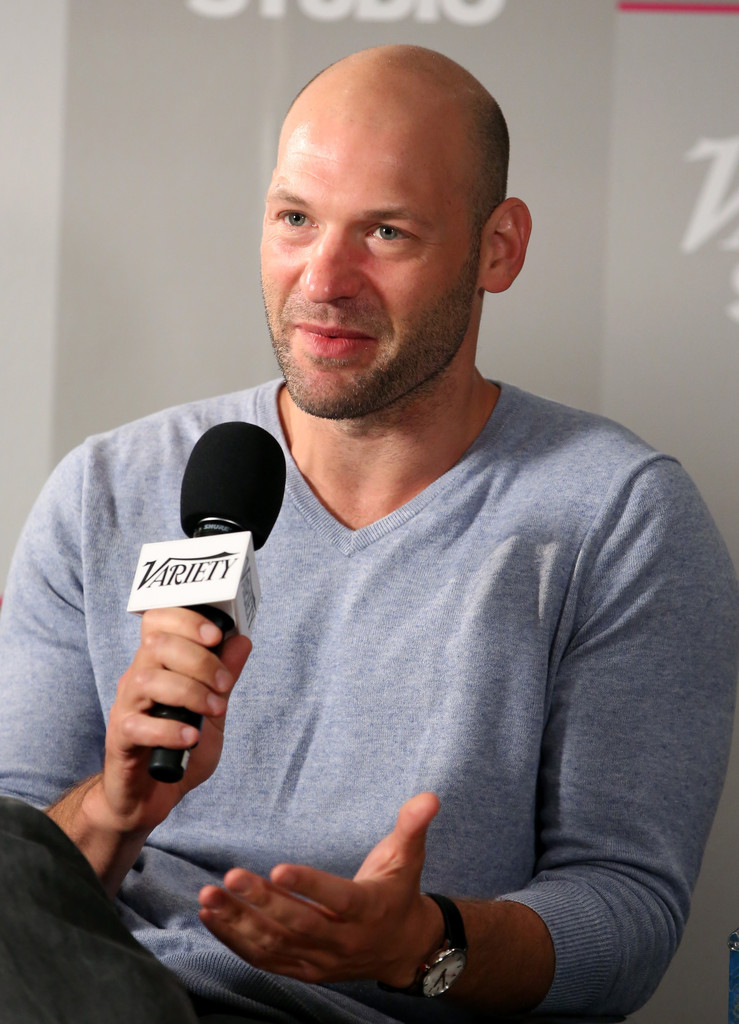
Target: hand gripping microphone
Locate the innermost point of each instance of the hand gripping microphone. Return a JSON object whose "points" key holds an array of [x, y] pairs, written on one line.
{"points": [[231, 495]]}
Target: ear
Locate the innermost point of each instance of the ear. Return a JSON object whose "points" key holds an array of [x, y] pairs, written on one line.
{"points": [[505, 238]]}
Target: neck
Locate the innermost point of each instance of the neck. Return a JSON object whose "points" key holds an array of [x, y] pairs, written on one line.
{"points": [[362, 470]]}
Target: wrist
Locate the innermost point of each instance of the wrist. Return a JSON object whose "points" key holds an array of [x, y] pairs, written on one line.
{"points": [[110, 845], [98, 814], [440, 968], [435, 929], [422, 935]]}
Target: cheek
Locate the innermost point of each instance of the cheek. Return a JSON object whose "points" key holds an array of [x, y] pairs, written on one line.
{"points": [[405, 300], [281, 264]]}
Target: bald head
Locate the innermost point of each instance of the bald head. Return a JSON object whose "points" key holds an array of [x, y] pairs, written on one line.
{"points": [[403, 84]]}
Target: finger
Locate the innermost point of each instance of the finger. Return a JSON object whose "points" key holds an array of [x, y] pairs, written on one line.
{"points": [[171, 669], [148, 682], [293, 909], [303, 951], [182, 622], [244, 926], [138, 731], [177, 638], [203, 689], [335, 896], [275, 922], [177, 653], [261, 947]]}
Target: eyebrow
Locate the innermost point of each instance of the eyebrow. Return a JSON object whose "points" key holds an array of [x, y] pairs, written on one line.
{"points": [[284, 195], [386, 213]]}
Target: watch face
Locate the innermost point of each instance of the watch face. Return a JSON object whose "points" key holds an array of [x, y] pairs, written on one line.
{"points": [[441, 975]]}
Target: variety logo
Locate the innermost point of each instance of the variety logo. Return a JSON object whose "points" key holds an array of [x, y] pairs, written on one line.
{"points": [[717, 208], [175, 572], [461, 12]]}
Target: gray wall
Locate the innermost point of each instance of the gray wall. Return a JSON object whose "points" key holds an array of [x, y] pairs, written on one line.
{"points": [[32, 68], [136, 142]]}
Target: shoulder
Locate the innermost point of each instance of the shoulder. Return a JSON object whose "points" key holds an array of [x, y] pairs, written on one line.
{"points": [[569, 463], [183, 424], [134, 471], [557, 430], [159, 442], [577, 478]]}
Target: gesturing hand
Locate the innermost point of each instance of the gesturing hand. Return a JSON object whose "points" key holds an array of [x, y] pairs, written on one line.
{"points": [[317, 927]]}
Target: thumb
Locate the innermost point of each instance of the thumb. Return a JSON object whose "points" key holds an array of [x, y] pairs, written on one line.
{"points": [[414, 818], [402, 849]]}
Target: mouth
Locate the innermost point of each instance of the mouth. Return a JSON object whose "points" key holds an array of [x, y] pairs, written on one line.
{"points": [[333, 342], [327, 331]]}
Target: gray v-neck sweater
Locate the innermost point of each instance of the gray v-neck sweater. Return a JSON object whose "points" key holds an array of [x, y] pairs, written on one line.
{"points": [[545, 637]]}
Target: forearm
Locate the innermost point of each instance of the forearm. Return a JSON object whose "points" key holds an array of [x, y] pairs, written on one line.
{"points": [[81, 812], [510, 957]]}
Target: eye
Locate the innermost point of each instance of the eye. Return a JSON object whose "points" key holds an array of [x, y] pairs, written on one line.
{"points": [[387, 233], [295, 220]]}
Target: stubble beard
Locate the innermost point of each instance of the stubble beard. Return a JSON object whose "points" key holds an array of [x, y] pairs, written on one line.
{"points": [[429, 343]]}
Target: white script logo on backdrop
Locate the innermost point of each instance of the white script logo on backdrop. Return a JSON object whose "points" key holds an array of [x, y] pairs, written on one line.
{"points": [[461, 12], [716, 208]]}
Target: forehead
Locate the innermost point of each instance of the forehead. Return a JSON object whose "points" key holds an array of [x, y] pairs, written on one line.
{"points": [[391, 153]]}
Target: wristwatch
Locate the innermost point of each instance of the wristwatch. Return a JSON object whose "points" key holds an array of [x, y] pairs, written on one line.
{"points": [[446, 965]]}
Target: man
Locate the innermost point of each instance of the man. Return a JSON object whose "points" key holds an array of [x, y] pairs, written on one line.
{"points": [[496, 650]]}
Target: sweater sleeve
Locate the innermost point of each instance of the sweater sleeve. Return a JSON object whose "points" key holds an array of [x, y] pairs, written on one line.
{"points": [[52, 728], [634, 755]]}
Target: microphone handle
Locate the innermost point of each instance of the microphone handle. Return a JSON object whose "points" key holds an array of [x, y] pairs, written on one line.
{"points": [[167, 765]]}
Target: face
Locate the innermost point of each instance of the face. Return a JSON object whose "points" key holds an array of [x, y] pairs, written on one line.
{"points": [[368, 268]]}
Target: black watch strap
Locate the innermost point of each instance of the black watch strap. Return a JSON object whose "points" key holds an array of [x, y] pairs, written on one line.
{"points": [[453, 923]]}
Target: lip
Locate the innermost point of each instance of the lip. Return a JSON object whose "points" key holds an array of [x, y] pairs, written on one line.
{"points": [[329, 341]]}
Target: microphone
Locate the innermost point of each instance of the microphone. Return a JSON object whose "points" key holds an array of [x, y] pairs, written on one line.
{"points": [[233, 485]]}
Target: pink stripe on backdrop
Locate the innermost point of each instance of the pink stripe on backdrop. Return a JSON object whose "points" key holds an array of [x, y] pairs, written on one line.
{"points": [[667, 8]]}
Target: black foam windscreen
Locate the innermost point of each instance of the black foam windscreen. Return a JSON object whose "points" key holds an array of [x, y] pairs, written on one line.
{"points": [[236, 472]]}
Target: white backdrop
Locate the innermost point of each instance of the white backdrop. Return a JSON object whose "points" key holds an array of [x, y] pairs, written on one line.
{"points": [[136, 142]]}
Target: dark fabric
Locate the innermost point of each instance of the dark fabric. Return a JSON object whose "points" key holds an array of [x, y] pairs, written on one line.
{"points": [[229, 1016], [210, 1012], [65, 957], [213, 1012]]}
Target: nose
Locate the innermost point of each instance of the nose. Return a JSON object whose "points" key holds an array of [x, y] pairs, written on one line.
{"points": [[332, 270]]}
